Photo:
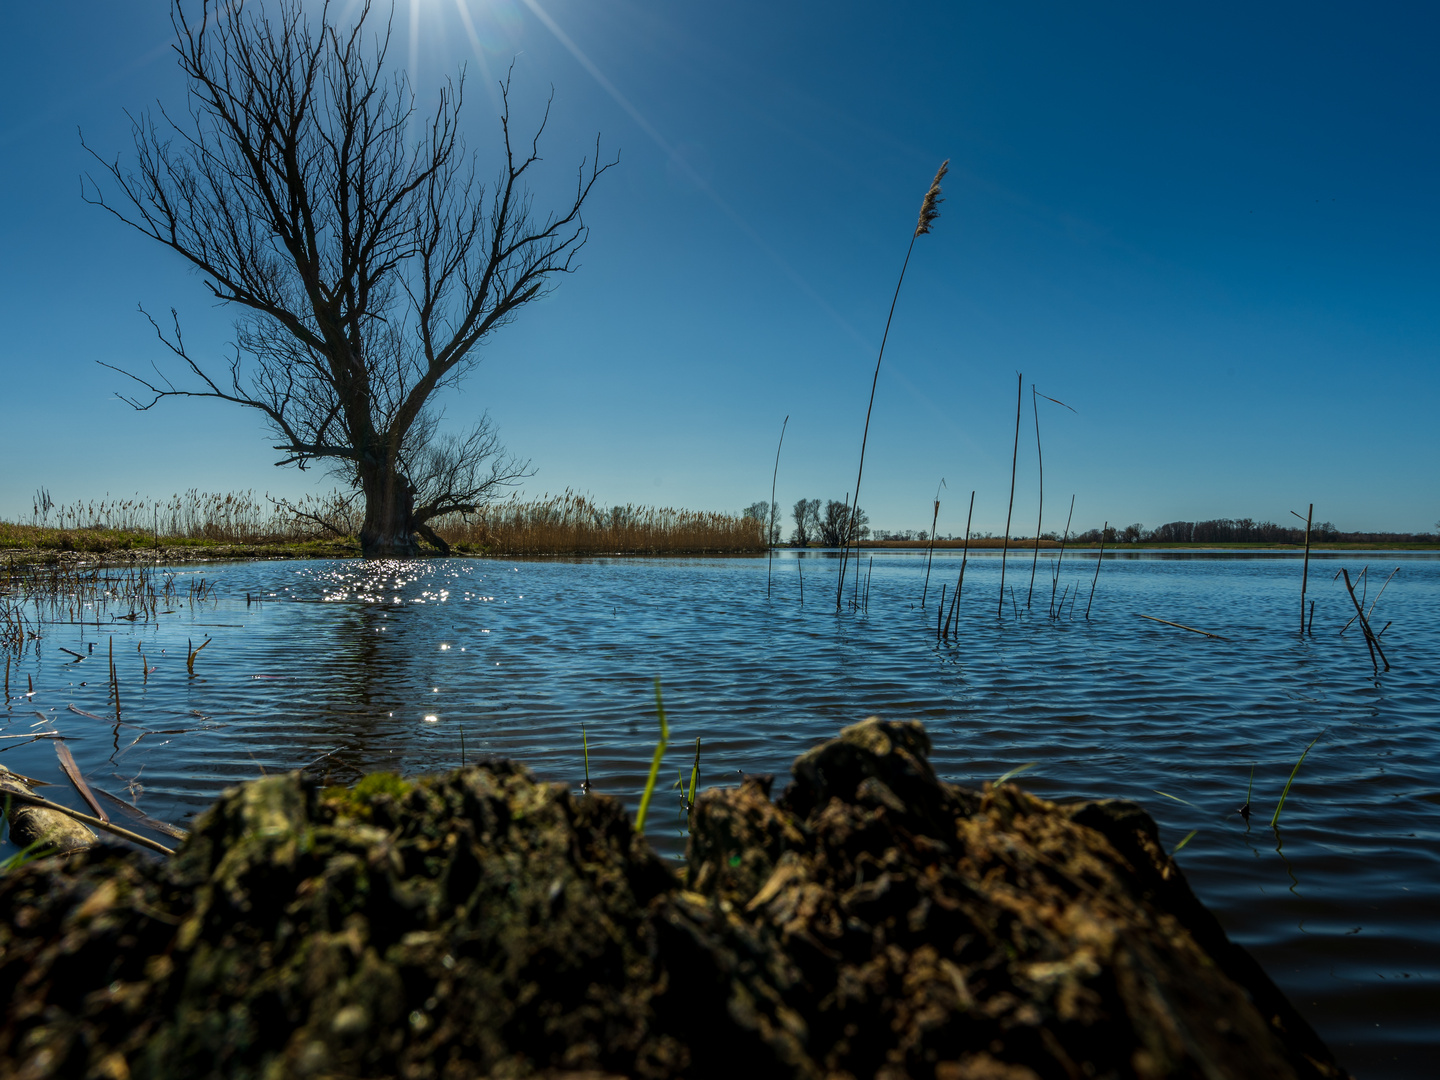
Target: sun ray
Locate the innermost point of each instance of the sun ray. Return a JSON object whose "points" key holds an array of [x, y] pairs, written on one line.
{"points": [[479, 50], [689, 171]]}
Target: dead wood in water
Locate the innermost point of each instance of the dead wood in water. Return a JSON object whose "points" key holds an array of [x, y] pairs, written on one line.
{"points": [[872, 921], [1182, 626]]}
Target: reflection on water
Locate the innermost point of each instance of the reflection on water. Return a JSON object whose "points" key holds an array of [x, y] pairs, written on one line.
{"points": [[351, 666]]}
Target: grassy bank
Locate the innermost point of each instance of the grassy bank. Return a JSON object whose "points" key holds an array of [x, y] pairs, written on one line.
{"points": [[199, 525], [996, 544]]}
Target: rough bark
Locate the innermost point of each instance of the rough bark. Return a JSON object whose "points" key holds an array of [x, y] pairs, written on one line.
{"points": [[872, 922], [366, 257], [389, 528]]}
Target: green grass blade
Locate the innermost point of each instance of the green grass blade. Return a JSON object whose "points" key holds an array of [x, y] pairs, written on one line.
{"points": [[1188, 837], [655, 762], [1281, 804], [694, 774], [1014, 773], [1177, 798]]}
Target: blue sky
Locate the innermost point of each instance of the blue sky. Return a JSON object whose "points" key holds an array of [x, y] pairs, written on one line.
{"points": [[1211, 229]]}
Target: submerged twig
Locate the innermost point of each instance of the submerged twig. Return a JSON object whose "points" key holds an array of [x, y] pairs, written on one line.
{"points": [[93, 822], [1182, 626]]}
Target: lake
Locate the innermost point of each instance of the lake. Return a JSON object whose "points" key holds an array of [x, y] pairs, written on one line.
{"points": [[345, 666]]}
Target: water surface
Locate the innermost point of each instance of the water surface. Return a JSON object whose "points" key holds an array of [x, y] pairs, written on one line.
{"points": [[346, 666]]}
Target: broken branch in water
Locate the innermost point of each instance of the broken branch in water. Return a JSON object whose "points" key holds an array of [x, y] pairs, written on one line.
{"points": [[1371, 641], [1181, 626], [93, 822]]}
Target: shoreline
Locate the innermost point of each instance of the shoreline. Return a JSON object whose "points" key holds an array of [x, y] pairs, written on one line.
{"points": [[195, 552]]}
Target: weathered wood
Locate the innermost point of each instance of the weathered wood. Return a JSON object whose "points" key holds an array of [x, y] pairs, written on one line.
{"points": [[872, 921], [30, 824]]}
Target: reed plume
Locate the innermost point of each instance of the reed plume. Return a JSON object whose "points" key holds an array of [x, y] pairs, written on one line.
{"points": [[929, 211], [930, 207]]}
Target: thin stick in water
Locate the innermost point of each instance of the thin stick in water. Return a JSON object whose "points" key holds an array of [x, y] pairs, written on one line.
{"points": [[1181, 626], [1055, 577], [1040, 515], [1014, 461], [770, 528], [1305, 570], [1371, 640], [1103, 530], [93, 822], [934, 518], [964, 555]]}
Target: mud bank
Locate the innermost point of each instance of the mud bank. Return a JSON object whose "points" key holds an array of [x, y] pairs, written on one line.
{"points": [[871, 922]]}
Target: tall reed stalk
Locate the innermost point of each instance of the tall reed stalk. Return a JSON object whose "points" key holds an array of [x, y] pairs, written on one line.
{"points": [[1305, 571], [1040, 514], [1096, 578], [770, 529], [964, 557], [1055, 577], [1014, 460], [931, 556], [929, 211]]}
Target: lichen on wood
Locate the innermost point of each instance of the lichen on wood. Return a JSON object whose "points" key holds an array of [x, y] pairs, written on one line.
{"points": [[871, 921]]}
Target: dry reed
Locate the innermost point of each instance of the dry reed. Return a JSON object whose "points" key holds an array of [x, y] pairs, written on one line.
{"points": [[770, 530], [550, 525], [1014, 460], [571, 524], [929, 211]]}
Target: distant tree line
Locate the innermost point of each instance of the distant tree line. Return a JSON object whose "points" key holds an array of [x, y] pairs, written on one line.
{"points": [[824, 524], [1244, 531], [826, 529]]}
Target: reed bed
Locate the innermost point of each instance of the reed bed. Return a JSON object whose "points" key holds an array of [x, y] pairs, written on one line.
{"points": [[551, 525], [194, 517], [572, 524]]}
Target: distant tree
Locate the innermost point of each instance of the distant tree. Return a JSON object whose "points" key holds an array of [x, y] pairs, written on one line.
{"points": [[842, 525], [766, 513], [1132, 534], [368, 258], [806, 515]]}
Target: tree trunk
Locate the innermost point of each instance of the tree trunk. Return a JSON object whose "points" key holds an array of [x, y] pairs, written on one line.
{"points": [[389, 529]]}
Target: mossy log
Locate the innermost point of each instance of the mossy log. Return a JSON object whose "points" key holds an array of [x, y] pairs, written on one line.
{"points": [[872, 921], [48, 830]]}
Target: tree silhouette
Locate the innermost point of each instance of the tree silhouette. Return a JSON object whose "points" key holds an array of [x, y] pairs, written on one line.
{"points": [[368, 259]]}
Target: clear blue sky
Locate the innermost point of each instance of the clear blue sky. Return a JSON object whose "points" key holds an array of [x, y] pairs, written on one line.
{"points": [[1211, 229]]}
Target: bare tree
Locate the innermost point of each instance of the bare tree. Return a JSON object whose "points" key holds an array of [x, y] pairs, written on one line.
{"points": [[843, 525], [369, 259], [806, 514]]}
